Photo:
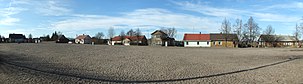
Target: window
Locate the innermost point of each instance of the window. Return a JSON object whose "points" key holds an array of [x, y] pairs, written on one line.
{"points": [[220, 43], [186, 43], [214, 42], [207, 43], [197, 43]]}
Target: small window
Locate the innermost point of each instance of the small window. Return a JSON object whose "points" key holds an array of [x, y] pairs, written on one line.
{"points": [[186, 43], [214, 42], [197, 43], [220, 43], [207, 43]]}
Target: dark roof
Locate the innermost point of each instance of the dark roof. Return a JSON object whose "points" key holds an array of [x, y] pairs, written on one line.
{"points": [[16, 36], [158, 31], [196, 37], [279, 37], [132, 38], [230, 37]]}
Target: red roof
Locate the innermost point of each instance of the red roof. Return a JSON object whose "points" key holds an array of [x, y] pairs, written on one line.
{"points": [[196, 37], [133, 38]]}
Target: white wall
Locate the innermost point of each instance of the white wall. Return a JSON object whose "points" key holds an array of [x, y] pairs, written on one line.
{"points": [[194, 44]]}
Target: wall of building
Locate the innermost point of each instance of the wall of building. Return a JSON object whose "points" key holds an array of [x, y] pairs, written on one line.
{"points": [[229, 44], [197, 44]]}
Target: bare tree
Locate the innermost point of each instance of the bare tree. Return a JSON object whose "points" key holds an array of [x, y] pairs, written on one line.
{"points": [[269, 30], [269, 35], [297, 34], [99, 35], [138, 34], [238, 29], [171, 32], [251, 31], [131, 32], [225, 29], [122, 35], [111, 32]]}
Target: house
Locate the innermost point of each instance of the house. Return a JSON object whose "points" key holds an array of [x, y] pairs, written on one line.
{"points": [[129, 40], [160, 38], [278, 41], [197, 40], [83, 39], [2, 39], [224, 40], [16, 38], [62, 39], [36, 40]]}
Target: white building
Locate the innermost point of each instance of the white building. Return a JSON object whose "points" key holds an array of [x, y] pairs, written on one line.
{"points": [[83, 39], [197, 40]]}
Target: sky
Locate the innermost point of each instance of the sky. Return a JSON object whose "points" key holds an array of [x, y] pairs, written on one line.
{"points": [[75, 17]]}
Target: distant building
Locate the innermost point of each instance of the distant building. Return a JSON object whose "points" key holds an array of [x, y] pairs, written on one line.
{"points": [[2, 39], [278, 41], [83, 39], [62, 39], [197, 40], [16, 38], [161, 38], [129, 40], [224, 40]]}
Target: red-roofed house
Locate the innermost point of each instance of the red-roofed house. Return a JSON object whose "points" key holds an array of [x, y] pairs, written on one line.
{"points": [[197, 40], [129, 40], [83, 39]]}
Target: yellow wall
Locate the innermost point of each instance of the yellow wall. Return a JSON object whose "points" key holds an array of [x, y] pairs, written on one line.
{"points": [[230, 44]]}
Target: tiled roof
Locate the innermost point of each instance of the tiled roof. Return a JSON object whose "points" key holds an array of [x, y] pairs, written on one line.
{"points": [[279, 37], [82, 36], [196, 37], [158, 31], [132, 38], [230, 37], [17, 36]]}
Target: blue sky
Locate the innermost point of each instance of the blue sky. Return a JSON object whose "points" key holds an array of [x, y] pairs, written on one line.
{"points": [[74, 17]]}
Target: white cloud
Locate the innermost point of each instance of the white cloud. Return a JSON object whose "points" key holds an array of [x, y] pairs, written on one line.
{"points": [[275, 18], [6, 15], [288, 6], [143, 18], [210, 11], [52, 8], [237, 13], [9, 21]]}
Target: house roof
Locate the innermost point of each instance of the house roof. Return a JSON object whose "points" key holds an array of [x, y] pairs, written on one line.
{"points": [[196, 37], [158, 31], [17, 36], [82, 36], [230, 37], [132, 38], [279, 37]]}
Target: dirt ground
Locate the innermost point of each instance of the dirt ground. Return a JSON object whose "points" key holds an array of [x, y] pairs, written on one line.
{"points": [[71, 63]]}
